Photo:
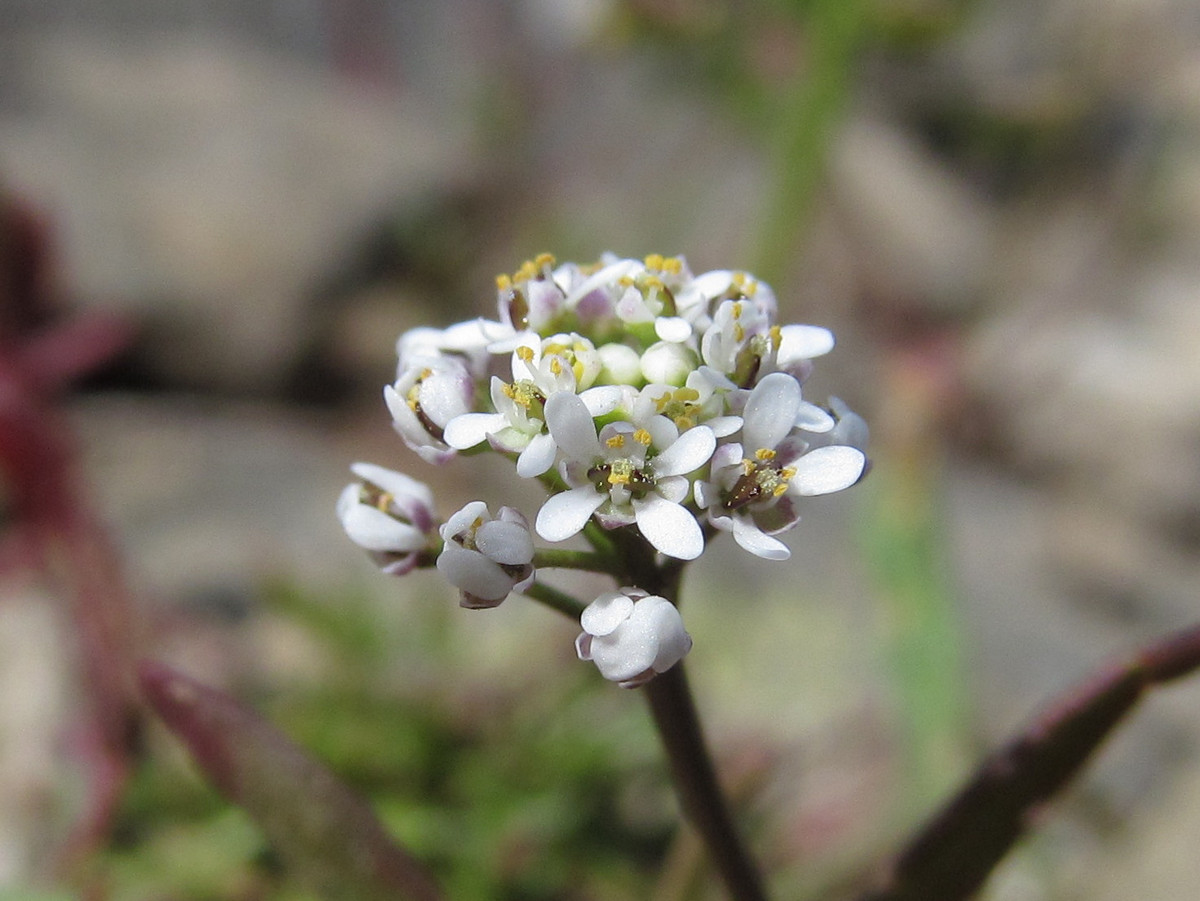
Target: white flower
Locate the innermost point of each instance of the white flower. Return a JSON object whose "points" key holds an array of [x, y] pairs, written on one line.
{"points": [[486, 558], [632, 636], [615, 477], [388, 514], [755, 484], [518, 425], [430, 392]]}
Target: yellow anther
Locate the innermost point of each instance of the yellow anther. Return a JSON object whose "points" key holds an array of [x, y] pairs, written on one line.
{"points": [[748, 466], [508, 390], [780, 489], [787, 472], [554, 349], [739, 280], [673, 265], [621, 473], [764, 454], [616, 442], [642, 437], [685, 422], [687, 394], [737, 311], [625, 281], [739, 333], [654, 261], [556, 366], [525, 352], [776, 334], [383, 501], [503, 283], [653, 282], [543, 260]]}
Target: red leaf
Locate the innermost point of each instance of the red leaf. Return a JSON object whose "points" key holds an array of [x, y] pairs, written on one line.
{"points": [[322, 830], [953, 854]]}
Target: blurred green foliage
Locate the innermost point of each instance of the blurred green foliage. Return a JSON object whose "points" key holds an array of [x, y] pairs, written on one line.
{"points": [[505, 794]]}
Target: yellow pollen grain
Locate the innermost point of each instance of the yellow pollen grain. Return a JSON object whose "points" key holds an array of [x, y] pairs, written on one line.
{"points": [[525, 353], [765, 453], [616, 442], [642, 437]]}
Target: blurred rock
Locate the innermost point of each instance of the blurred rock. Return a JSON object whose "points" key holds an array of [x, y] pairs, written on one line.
{"points": [[207, 185]]}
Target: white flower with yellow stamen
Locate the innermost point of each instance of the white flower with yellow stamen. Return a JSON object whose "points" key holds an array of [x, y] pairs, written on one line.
{"points": [[623, 476], [756, 483], [428, 394], [387, 514], [486, 558]]}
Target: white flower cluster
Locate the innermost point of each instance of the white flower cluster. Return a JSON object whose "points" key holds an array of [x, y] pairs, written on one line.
{"points": [[641, 396]]}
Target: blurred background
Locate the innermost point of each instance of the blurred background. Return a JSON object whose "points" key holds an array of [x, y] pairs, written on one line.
{"points": [[994, 205]]}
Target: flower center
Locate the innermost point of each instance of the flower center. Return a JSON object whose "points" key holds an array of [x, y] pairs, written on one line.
{"points": [[762, 479]]}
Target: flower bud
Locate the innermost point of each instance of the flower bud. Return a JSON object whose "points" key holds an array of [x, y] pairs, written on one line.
{"points": [[486, 558], [632, 636]]}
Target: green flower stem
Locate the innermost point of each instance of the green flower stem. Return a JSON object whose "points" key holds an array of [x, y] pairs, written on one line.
{"points": [[555, 599], [696, 783], [562, 558]]}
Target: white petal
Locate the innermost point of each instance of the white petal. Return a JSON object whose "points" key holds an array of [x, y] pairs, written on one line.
{"points": [[374, 530], [812, 418], [471, 429], [665, 623], [691, 450], [571, 425], [770, 411], [394, 483], [724, 426], [461, 521], [673, 488], [751, 538], [537, 457], [803, 342], [602, 400], [505, 542], [564, 514], [672, 328], [474, 573], [610, 274], [827, 469], [672, 529], [603, 615]]}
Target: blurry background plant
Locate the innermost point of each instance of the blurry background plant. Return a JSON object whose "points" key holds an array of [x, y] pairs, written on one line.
{"points": [[993, 205]]}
